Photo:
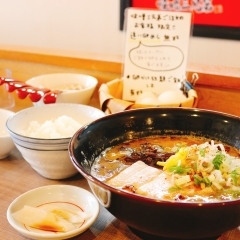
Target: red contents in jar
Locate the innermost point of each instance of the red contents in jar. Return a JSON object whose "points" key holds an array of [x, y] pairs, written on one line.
{"points": [[35, 94]]}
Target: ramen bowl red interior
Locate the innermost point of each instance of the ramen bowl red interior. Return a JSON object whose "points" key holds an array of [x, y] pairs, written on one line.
{"points": [[153, 218]]}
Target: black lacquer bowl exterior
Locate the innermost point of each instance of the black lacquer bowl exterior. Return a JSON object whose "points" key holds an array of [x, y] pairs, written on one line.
{"points": [[151, 218]]}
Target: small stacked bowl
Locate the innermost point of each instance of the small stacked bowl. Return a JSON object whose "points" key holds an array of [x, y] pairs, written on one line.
{"points": [[6, 142], [48, 156]]}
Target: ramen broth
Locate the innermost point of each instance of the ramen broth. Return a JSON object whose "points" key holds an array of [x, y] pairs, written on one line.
{"points": [[154, 154]]}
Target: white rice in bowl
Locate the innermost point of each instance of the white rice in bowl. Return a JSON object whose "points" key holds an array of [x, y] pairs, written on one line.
{"points": [[61, 127]]}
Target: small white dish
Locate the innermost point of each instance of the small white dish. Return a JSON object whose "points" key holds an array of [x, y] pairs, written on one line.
{"points": [[74, 87], [67, 196]]}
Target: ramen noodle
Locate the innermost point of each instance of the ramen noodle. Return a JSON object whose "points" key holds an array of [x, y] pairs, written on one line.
{"points": [[178, 168]]}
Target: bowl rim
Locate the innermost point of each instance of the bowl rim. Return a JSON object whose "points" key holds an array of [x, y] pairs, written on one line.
{"points": [[136, 197], [39, 148], [92, 85], [46, 235]]}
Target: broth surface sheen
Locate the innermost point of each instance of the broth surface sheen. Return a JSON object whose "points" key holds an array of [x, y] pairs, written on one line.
{"points": [[174, 168]]}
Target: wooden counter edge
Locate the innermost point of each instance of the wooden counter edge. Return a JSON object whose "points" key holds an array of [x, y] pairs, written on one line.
{"points": [[214, 76], [217, 88]]}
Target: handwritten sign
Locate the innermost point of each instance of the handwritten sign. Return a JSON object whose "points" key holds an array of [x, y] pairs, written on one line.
{"points": [[156, 50]]}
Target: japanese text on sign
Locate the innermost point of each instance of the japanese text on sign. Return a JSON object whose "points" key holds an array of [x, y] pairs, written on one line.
{"points": [[197, 6], [156, 51]]}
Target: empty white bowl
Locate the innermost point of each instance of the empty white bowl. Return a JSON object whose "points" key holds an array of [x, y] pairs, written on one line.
{"points": [[75, 87], [49, 156], [6, 142], [68, 197]]}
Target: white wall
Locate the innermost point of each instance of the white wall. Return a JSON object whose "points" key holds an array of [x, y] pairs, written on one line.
{"points": [[88, 28]]}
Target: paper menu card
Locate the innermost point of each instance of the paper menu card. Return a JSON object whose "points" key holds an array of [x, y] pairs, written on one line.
{"points": [[156, 50]]}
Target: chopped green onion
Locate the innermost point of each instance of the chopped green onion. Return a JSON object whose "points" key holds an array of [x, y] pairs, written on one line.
{"points": [[218, 160], [179, 169], [207, 181], [174, 189], [235, 175], [195, 166], [234, 193], [205, 164], [197, 179], [202, 152]]}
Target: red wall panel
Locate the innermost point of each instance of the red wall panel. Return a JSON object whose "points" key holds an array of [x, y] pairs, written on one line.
{"points": [[205, 12]]}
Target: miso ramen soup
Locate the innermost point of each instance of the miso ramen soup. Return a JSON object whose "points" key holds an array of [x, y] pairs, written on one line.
{"points": [[175, 168]]}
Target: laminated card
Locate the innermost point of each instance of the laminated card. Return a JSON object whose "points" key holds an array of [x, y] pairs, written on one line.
{"points": [[156, 51]]}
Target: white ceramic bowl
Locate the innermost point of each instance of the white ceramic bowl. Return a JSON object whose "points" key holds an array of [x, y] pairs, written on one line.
{"points": [[67, 82], [49, 157], [6, 142], [69, 197]]}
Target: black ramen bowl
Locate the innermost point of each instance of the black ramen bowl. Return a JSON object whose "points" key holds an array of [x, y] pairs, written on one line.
{"points": [[152, 218]]}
